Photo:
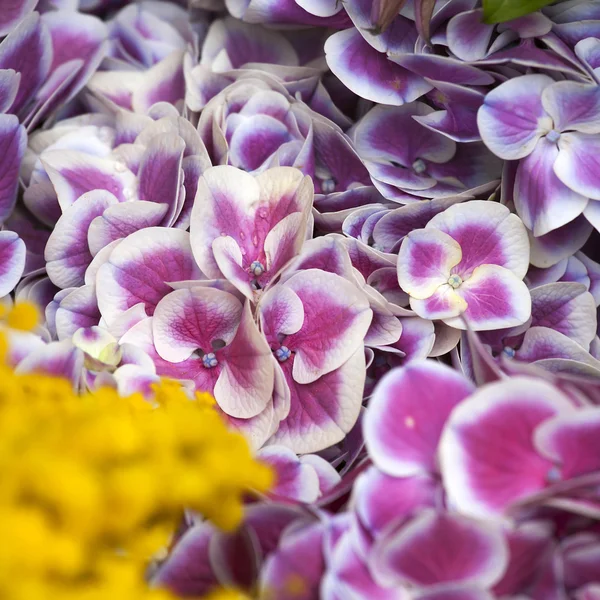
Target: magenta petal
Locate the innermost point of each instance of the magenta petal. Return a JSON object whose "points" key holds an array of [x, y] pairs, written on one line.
{"points": [[74, 173], [565, 307], [336, 319], [528, 546], [487, 456], [436, 548], [425, 262], [298, 559], [407, 413], [294, 480], [27, 50], [76, 310], [59, 359], [369, 73], [572, 441], [348, 576], [160, 176], [12, 12], [67, 252], [542, 200], [140, 267], [245, 385], [119, 220], [512, 118], [12, 261], [13, 142], [380, 500], [324, 411], [190, 319]]}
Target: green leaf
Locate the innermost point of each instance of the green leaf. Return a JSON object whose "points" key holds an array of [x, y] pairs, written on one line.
{"points": [[498, 11]]}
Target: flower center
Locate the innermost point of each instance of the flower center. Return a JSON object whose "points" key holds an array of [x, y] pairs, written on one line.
{"points": [[209, 360], [419, 166], [454, 281], [328, 186], [508, 351], [282, 353], [553, 136], [257, 268]]}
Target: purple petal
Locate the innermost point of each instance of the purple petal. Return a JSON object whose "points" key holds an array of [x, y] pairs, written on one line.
{"points": [[27, 50], [576, 165], [190, 319], [9, 85], [187, 571], [74, 173], [560, 243], [542, 200], [425, 261], [12, 261], [495, 299], [567, 308], [380, 500], [67, 252], [160, 175], [437, 548], [445, 303], [468, 36], [488, 460], [13, 12], [487, 233], [59, 359], [369, 73], [120, 220], [336, 319], [294, 480], [245, 385], [324, 411], [571, 441], [140, 267], [435, 67], [13, 142], [164, 82], [512, 118], [407, 413], [76, 310], [573, 106]]}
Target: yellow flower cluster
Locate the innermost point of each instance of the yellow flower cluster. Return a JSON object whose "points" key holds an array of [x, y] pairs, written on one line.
{"points": [[92, 485]]}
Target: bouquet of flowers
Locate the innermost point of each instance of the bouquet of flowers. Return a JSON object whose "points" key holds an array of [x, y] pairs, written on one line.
{"points": [[299, 299]]}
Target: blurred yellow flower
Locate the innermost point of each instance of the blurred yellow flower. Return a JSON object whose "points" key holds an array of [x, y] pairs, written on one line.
{"points": [[94, 484]]}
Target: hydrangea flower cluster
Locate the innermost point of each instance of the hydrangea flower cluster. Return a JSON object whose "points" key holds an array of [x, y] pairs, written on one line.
{"points": [[369, 229]]}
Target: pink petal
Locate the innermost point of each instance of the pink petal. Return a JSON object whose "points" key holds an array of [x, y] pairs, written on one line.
{"points": [[407, 413], [488, 460]]}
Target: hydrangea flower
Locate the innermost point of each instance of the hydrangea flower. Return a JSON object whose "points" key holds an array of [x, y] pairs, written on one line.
{"points": [[466, 267]]}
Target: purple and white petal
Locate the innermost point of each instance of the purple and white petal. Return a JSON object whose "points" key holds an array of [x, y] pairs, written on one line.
{"points": [[573, 106], [407, 413], [140, 267], [369, 73], [445, 303], [512, 118], [577, 164], [488, 234], [67, 252], [336, 319], [13, 142], [77, 309], [495, 299], [487, 455], [425, 262], [541, 199], [437, 548], [324, 411], [12, 261]]}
